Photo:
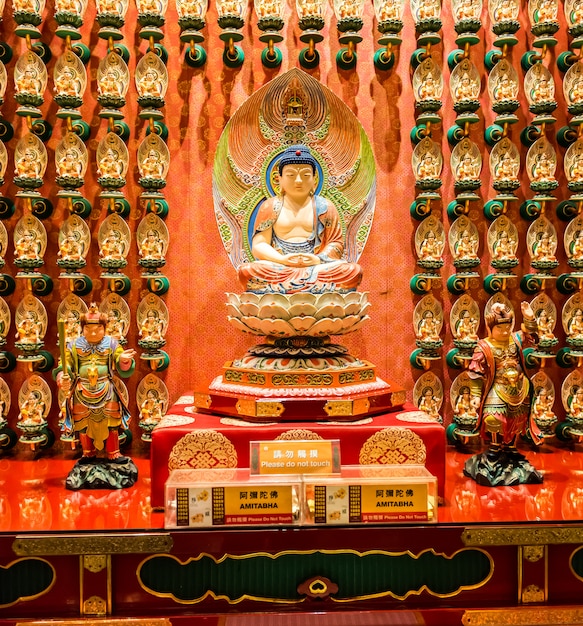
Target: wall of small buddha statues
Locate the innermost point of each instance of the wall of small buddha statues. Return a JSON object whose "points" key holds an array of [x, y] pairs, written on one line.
{"points": [[110, 117]]}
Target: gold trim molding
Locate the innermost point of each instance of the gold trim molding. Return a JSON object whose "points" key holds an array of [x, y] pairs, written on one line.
{"points": [[540, 616], [38, 545], [529, 536], [100, 622]]}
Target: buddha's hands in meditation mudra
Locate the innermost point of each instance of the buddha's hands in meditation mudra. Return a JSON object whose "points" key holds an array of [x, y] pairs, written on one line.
{"points": [[302, 260], [297, 241]]}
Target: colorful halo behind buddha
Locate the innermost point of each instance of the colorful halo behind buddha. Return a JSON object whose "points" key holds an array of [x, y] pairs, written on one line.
{"points": [[292, 109]]}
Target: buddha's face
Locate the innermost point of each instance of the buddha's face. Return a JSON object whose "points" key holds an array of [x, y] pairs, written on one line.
{"points": [[297, 180]]}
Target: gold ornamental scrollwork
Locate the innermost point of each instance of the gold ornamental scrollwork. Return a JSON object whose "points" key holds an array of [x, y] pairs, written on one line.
{"points": [[530, 536], [94, 562], [393, 446], [35, 545], [94, 606], [533, 553], [539, 616], [100, 622], [202, 449], [298, 434]]}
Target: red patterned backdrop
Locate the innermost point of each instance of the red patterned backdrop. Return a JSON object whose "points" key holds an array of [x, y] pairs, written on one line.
{"points": [[199, 103]]}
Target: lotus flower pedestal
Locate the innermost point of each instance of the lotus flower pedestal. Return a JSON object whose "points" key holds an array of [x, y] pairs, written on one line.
{"points": [[297, 373]]}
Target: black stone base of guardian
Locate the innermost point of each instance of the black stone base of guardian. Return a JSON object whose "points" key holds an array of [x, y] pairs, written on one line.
{"points": [[99, 473], [502, 468]]}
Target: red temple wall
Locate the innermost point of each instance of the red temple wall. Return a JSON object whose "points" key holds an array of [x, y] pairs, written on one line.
{"points": [[199, 103]]}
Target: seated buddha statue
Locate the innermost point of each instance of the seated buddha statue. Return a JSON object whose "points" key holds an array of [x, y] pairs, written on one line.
{"points": [[297, 240]]}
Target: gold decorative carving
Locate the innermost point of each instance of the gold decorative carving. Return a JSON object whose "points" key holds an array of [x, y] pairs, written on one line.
{"points": [[393, 446], [541, 616], [202, 449], [101, 622], [318, 587], [202, 401], [398, 397], [269, 409], [334, 408], [94, 606], [532, 594], [94, 562], [29, 545], [347, 407], [298, 434], [259, 408], [246, 407], [533, 553], [524, 536]]}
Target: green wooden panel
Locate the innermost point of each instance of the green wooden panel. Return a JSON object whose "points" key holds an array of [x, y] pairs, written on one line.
{"points": [[266, 577], [25, 579]]}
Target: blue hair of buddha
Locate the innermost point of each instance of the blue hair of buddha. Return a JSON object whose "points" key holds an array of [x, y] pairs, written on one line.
{"points": [[297, 155]]}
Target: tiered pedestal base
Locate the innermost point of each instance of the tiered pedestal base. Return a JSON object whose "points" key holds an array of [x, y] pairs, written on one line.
{"points": [[187, 438], [292, 395]]}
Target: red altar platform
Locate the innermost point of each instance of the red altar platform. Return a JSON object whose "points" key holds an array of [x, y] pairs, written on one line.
{"points": [[33, 497], [506, 555], [186, 439]]}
